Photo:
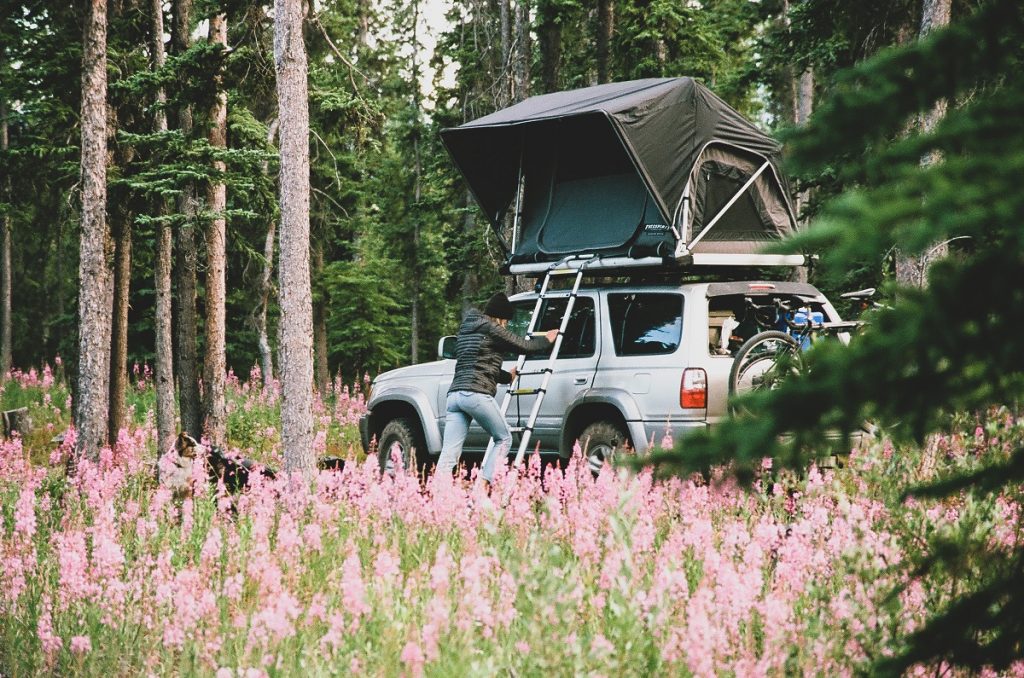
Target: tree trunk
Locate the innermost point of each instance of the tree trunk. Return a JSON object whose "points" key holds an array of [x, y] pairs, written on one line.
{"points": [[414, 340], [187, 256], [803, 106], [605, 27], [296, 351], [549, 35], [524, 52], [912, 271], [505, 79], [95, 291], [5, 256], [215, 361], [470, 281], [320, 350], [119, 338], [266, 286], [164, 367]]}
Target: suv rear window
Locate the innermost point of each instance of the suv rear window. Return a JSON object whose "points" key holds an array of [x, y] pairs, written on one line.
{"points": [[646, 323], [579, 334]]}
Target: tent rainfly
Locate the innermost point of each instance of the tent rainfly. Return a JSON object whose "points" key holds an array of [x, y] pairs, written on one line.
{"points": [[646, 172]]}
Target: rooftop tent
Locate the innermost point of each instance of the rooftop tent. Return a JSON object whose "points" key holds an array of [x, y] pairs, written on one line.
{"points": [[644, 170]]}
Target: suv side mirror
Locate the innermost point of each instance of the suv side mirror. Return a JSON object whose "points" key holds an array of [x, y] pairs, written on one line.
{"points": [[446, 348]]}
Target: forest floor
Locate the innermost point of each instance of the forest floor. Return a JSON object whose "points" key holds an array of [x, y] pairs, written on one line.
{"points": [[107, 574]]}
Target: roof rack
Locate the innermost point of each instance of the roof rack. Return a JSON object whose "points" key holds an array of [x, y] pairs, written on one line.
{"points": [[604, 265]]}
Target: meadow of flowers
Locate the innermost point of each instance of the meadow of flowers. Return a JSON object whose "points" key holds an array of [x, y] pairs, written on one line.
{"points": [[104, 573]]}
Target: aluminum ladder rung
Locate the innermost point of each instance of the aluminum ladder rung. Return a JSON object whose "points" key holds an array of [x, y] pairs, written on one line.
{"points": [[526, 391], [541, 390], [535, 374]]}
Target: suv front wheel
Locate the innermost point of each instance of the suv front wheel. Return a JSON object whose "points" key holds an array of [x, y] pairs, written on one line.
{"points": [[400, 441], [601, 442]]}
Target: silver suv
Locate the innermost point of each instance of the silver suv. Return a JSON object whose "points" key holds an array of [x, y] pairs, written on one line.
{"points": [[638, 361]]}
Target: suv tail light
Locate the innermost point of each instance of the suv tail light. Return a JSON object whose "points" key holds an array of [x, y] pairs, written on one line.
{"points": [[693, 389]]}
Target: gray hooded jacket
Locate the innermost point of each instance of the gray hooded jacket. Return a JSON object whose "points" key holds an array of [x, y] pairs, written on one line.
{"points": [[479, 350]]}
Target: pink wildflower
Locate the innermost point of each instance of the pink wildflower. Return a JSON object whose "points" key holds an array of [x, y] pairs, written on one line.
{"points": [[412, 655], [81, 645]]}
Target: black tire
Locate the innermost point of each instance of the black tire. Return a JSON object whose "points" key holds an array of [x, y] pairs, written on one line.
{"points": [[411, 449], [601, 442], [757, 363]]}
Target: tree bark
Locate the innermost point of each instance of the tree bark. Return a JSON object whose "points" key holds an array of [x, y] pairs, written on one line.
{"points": [[266, 284], [549, 35], [803, 107], [320, 349], [296, 351], [470, 281], [5, 255], [414, 340], [911, 270], [164, 349], [215, 360], [605, 27], [95, 295], [266, 287], [505, 89], [119, 339], [524, 51], [185, 270]]}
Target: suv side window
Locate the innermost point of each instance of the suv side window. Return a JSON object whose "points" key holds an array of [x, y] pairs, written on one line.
{"points": [[579, 333], [646, 324]]}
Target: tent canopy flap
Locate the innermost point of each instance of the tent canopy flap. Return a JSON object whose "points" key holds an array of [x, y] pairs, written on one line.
{"points": [[605, 169]]}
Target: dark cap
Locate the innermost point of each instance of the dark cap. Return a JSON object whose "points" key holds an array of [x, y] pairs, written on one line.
{"points": [[500, 307]]}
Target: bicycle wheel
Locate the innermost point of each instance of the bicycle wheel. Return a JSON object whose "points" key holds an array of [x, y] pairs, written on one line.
{"points": [[762, 362]]}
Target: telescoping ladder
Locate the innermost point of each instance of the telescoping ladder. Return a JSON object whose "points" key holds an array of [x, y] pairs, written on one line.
{"points": [[562, 268]]}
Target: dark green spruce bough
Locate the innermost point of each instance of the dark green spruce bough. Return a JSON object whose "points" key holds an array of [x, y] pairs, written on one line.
{"points": [[956, 346]]}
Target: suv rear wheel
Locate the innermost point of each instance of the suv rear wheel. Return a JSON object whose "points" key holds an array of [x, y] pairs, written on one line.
{"points": [[601, 441], [400, 441]]}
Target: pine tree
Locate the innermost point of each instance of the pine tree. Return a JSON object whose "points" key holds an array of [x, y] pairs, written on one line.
{"points": [[953, 347], [296, 303], [95, 298], [215, 359]]}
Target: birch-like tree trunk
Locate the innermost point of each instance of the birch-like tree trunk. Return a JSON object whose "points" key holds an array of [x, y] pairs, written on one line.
{"points": [[911, 271], [266, 285], [164, 364], [187, 261], [215, 360], [296, 351], [5, 255], [95, 282], [803, 107]]}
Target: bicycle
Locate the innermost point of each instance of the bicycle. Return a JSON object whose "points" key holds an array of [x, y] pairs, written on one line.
{"points": [[772, 355]]}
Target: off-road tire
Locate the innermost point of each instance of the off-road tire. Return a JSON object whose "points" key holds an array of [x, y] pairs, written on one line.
{"points": [[406, 434], [601, 442]]}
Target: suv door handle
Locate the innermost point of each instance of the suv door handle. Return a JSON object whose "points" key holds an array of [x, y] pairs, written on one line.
{"points": [[580, 381]]}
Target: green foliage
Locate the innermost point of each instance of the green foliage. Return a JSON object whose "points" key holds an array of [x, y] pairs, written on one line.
{"points": [[366, 325], [954, 346]]}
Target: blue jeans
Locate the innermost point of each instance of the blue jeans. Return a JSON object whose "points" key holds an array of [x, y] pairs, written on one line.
{"points": [[462, 406]]}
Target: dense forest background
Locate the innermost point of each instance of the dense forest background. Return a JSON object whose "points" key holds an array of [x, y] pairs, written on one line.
{"points": [[398, 250]]}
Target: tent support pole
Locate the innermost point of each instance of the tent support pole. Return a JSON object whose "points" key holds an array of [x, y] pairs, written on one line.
{"points": [[519, 203], [681, 232], [729, 204]]}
